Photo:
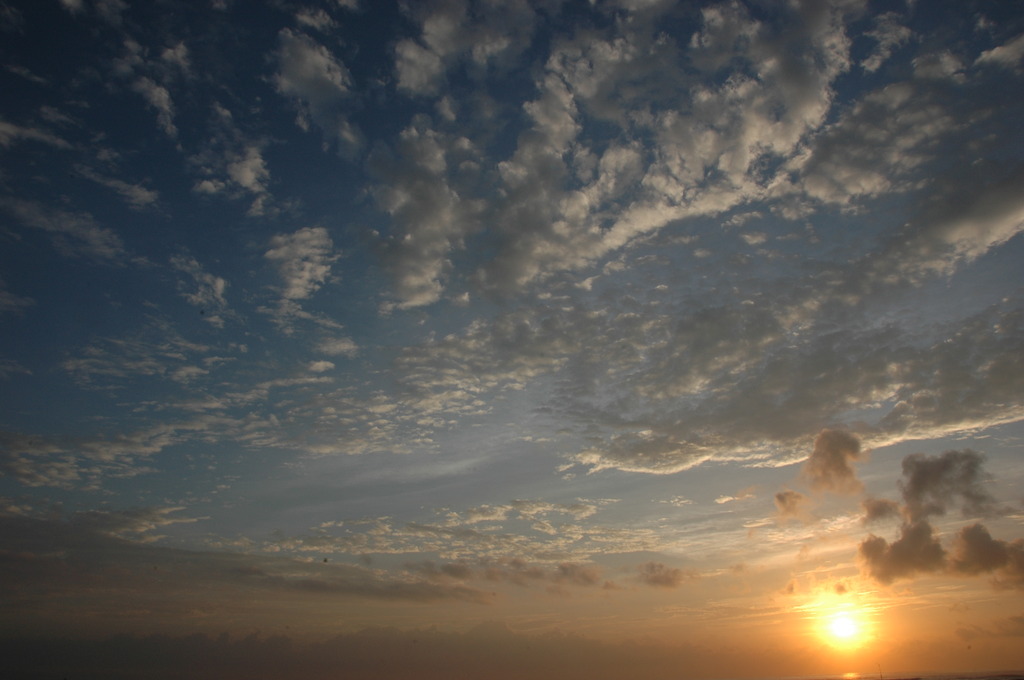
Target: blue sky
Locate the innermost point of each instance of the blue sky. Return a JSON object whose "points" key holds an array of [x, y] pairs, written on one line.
{"points": [[682, 319]]}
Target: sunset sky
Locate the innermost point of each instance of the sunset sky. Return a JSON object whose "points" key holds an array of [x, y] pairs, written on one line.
{"points": [[511, 338]]}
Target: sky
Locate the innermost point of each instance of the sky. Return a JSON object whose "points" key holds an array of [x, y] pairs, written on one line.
{"points": [[507, 338]]}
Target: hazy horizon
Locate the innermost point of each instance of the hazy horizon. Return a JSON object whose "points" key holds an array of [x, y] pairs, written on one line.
{"points": [[566, 338]]}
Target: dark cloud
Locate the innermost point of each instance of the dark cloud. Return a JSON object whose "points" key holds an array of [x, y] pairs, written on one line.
{"points": [[664, 576], [932, 485], [432, 570], [916, 551], [88, 558], [489, 650], [790, 504], [577, 574], [879, 509], [829, 467], [358, 582], [976, 552], [521, 572]]}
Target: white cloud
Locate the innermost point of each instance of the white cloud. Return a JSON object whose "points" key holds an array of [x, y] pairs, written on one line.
{"points": [[303, 260], [10, 133], [73, 234], [136, 195], [178, 55], [872, 149], [964, 225], [939, 66], [319, 82], [338, 346], [889, 34], [316, 19], [429, 216], [1007, 55], [159, 98], [491, 36], [208, 292], [232, 163], [704, 148], [249, 171], [417, 67], [320, 366]]}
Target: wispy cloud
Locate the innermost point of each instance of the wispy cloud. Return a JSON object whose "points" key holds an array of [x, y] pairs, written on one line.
{"points": [[73, 234], [11, 133], [137, 195]]}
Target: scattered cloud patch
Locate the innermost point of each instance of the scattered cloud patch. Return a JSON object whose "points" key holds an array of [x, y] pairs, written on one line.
{"points": [[303, 260]]}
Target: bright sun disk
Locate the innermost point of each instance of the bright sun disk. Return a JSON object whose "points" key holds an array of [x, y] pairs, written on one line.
{"points": [[843, 627]]}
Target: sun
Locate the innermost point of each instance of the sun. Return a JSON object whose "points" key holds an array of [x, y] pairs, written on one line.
{"points": [[844, 629]]}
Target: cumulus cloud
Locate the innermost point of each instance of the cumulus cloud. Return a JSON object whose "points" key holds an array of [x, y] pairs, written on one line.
{"points": [[976, 552], [232, 163], [320, 84], [303, 260], [249, 170], [917, 550], [873, 148], [491, 38], [932, 485], [320, 366], [430, 217], [417, 67], [829, 467]]}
